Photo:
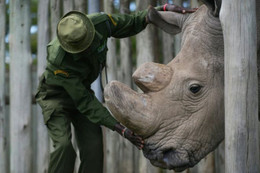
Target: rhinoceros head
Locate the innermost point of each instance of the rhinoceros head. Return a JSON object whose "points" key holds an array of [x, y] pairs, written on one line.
{"points": [[180, 113]]}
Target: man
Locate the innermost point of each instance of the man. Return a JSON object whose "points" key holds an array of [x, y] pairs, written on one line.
{"points": [[75, 59]]}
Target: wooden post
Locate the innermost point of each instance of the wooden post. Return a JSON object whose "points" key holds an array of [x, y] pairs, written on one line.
{"points": [[80, 5], [125, 50], [126, 149], [238, 21], [177, 38], [20, 87], [68, 5], [111, 44], [93, 7], [42, 144], [111, 159], [3, 137], [55, 10]]}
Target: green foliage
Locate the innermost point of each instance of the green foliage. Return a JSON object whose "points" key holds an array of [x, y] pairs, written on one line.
{"points": [[34, 43], [133, 50], [34, 6], [34, 62]]}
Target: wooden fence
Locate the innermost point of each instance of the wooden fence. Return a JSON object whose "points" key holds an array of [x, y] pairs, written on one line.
{"points": [[24, 143]]}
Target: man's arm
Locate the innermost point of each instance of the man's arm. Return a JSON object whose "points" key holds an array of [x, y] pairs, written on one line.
{"points": [[131, 136], [126, 25]]}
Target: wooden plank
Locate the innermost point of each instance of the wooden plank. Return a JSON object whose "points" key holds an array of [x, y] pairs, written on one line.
{"points": [[80, 5], [220, 158], [111, 138], [93, 7], [3, 129], [55, 10], [238, 21], [20, 87], [42, 144], [126, 148], [68, 5]]}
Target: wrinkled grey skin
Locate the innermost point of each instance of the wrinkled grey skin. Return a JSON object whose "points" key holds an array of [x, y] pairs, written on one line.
{"points": [[180, 123]]}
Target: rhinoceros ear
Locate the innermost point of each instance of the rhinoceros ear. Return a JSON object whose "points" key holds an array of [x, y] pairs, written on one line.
{"points": [[170, 22], [214, 5]]}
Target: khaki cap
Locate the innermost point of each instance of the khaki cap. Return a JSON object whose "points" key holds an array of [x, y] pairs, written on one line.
{"points": [[75, 32]]}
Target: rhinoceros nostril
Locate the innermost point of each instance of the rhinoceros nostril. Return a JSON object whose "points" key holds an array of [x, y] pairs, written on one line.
{"points": [[176, 159]]}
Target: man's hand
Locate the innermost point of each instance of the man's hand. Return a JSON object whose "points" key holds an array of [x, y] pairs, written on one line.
{"points": [[178, 9], [131, 136]]}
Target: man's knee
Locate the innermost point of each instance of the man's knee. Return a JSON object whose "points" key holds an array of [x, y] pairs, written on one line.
{"points": [[63, 143]]}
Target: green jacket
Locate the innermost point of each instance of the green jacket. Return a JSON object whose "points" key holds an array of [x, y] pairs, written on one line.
{"points": [[74, 73]]}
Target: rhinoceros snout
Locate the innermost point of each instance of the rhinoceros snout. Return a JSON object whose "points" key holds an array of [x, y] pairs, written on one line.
{"points": [[175, 159]]}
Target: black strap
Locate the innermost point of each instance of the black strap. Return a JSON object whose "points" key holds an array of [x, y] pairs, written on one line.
{"points": [[101, 84]]}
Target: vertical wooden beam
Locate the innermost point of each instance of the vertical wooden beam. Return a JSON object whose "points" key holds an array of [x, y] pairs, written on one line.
{"points": [[111, 160], [93, 7], [177, 38], [20, 87], [3, 137], [220, 158], [238, 19], [126, 149], [144, 40], [111, 44], [125, 50], [42, 145], [167, 43], [68, 5], [80, 5], [55, 10]]}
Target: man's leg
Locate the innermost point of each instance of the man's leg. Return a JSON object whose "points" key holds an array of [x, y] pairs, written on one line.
{"points": [[90, 143], [62, 159]]}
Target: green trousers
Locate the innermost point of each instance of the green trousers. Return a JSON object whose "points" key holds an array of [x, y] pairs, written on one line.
{"points": [[59, 113], [89, 141]]}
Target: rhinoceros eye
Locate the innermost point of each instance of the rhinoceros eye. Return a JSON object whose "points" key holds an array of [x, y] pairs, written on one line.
{"points": [[195, 88]]}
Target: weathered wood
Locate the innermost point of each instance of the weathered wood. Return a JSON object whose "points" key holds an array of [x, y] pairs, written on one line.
{"points": [[111, 138], [177, 38], [68, 5], [125, 50], [167, 47], [220, 158], [111, 44], [3, 127], [238, 21], [80, 5], [195, 3], [55, 10], [42, 144], [126, 148], [144, 42], [207, 165], [93, 7], [20, 87]]}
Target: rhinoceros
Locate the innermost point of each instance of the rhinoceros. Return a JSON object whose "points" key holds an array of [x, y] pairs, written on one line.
{"points": [[180, 113]]}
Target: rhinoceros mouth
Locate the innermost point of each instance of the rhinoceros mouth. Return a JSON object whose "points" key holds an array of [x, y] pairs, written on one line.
{"points": [[176, 159]]}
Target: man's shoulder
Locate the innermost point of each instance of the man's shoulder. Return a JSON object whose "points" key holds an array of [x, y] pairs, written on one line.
{"points": [[54, 42], [98, 18]]}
